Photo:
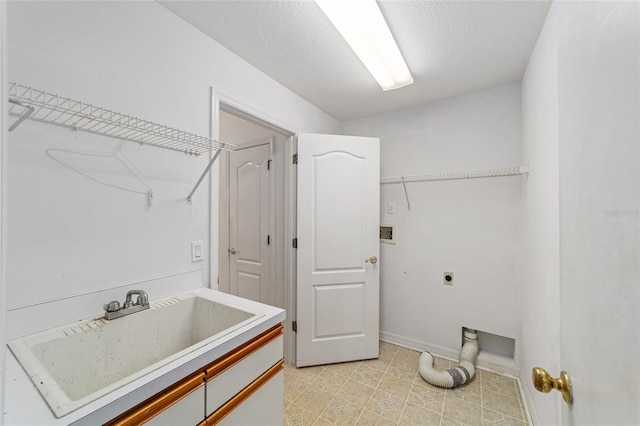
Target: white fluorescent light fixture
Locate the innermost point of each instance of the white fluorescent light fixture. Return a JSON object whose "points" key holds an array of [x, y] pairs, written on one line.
{"points": [[362, 25]]}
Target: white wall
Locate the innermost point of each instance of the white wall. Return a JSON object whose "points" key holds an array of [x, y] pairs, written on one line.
{"points": [[465, 226], [70, 236], [3, 204], [539, 257]]}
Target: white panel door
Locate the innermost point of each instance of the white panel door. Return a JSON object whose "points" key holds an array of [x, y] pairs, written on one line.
{"points": [[338, 245], [249, 254], [599, 133]]}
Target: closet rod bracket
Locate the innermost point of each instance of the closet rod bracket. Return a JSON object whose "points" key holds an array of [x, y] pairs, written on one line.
{"points": [[213, 160], [28, 110]]}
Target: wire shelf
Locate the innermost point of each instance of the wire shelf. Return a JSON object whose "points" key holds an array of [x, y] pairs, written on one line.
{"points": [[509, 171], [39, 105]]}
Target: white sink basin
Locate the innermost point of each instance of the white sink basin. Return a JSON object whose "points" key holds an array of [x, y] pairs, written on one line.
{"points": [[76, 364]]}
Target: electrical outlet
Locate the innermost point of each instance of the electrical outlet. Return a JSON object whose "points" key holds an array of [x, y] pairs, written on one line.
{"points": [[447, 278], [391, 208]]}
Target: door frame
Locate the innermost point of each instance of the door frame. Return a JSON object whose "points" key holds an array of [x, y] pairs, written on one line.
{"points": [[219, 211]]}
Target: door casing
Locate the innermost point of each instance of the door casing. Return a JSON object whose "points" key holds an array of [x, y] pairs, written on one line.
{"points": [[219, 238]]}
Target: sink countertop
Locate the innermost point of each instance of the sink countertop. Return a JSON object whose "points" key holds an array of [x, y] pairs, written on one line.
{"points": [[25, 406]]}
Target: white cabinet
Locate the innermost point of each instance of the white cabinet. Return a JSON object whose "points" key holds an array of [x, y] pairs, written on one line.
{"points": [[264, 407], [228, 390]]}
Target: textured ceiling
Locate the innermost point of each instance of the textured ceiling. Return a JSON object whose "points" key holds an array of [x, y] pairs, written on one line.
{"points": [[451, 47]]}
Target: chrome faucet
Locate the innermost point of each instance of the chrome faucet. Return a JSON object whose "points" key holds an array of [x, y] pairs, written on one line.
{"points": [[113, 309]]}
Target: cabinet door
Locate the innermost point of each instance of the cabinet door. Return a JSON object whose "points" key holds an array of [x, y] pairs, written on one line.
{"points": [[230, 382], [264, 407]]}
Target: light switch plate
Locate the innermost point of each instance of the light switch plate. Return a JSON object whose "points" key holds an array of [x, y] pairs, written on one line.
{"points": [[196, 251]]}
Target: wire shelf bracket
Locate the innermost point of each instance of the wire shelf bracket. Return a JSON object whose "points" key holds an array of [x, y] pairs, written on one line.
{"points": [[473, 174], [39, 105]]}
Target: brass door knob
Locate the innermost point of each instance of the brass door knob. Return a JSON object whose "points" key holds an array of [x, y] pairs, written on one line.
{"points": [[543, 382], [372, 259], [232, 251]]}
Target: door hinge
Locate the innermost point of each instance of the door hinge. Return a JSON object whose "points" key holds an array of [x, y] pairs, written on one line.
{"points": [[268, 239], [269, 165], [295, 243], [295, 158], [294, 326]]}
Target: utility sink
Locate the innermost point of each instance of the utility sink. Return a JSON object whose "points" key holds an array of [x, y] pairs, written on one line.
{"points": [[79, 363]]}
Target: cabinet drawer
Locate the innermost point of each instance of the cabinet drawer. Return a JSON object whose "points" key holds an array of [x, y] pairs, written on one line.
{"points": [[177, 400], [224, 383], [187, 411]]}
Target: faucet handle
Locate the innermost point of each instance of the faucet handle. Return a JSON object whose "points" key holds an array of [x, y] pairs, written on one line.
{"points": [[113, 306]]}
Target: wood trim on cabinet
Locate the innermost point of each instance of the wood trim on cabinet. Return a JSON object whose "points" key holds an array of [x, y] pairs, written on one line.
{"points": [[222, 412], [153, 406], [221, 364]]}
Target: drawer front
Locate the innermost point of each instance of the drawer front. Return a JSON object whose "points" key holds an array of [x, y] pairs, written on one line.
{"points": [[226, 384], [264, 407], [166, 400], [187, 411]]}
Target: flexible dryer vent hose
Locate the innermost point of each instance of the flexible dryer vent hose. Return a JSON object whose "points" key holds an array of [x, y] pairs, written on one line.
{"points": [[457, 376]]}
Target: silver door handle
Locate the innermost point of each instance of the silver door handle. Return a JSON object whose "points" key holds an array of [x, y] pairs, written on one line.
{"points": [[232, 251]]}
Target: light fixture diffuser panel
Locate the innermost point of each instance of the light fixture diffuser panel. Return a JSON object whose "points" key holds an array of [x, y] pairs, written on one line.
{"points": [[362, 25]]}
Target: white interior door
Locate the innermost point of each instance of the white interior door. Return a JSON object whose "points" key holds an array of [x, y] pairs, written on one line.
{"points": [[599, 211], [338, 245], [249, 210]]}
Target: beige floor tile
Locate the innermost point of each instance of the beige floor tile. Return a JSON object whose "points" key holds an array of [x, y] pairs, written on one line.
{"points": [[293, 388], [470, 391], [314, 399], [414, 415], [387, 349], [344, 368], [367, 375], [297, 415], [322, 422], [356, 392], [390, 391], [501, 403], [369, 418], [330, 381], [427, 396], [407, 356], [306, 374], [395, 386], [500, 384], [448, 421], [402, 371], [379, 364], [341, 411], [386, 405], [463, 411], [490, 417]]}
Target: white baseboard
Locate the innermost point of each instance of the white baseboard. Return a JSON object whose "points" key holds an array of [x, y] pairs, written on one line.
{"points": [[528, 402], [486, 361]]}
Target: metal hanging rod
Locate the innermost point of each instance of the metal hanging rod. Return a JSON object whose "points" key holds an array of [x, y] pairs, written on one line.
{"points": [[39, 105], [474, 174]]}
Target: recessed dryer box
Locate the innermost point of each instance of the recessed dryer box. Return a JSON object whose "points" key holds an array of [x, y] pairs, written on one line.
{"points": [[388, 234]]}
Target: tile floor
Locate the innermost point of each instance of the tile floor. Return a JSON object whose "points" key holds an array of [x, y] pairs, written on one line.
{"points": [[390, 391]]}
